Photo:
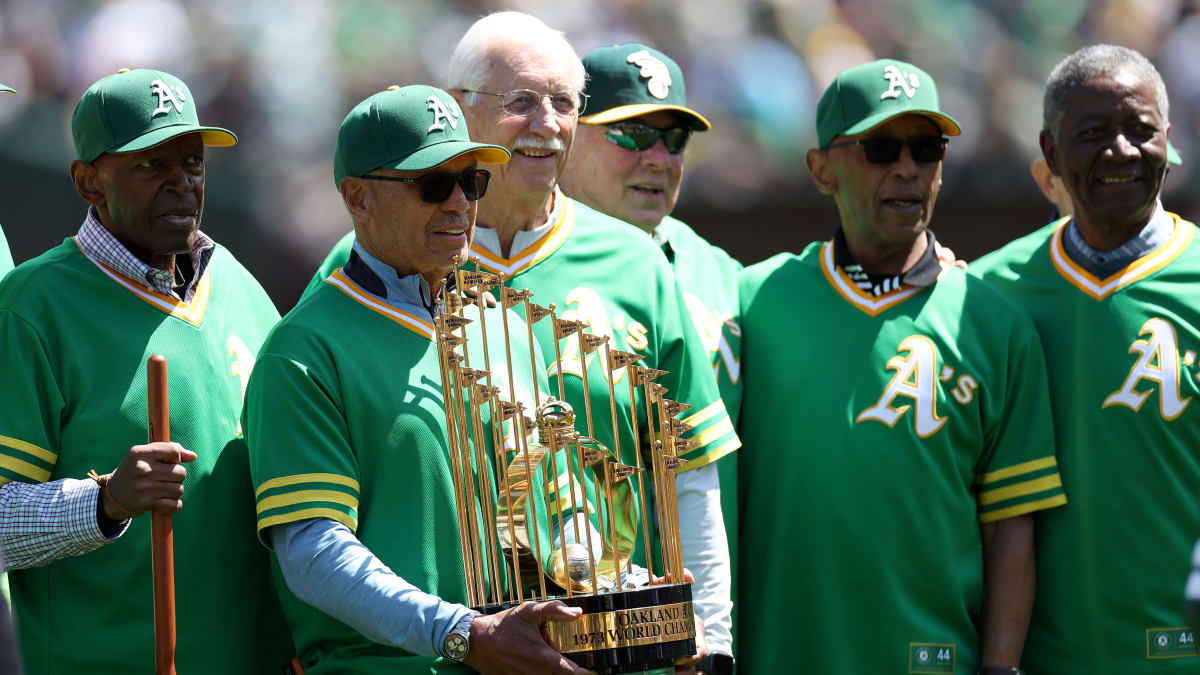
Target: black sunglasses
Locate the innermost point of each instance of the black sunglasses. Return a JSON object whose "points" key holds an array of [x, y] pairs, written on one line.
{"points": [[437, 187], [637, 136], [925, 150]]}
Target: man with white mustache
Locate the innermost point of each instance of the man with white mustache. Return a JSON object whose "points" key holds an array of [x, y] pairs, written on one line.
{"points": [[520, 86]]}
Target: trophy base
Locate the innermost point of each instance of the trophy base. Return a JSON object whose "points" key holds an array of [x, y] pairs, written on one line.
{"points": [[627, 631]]}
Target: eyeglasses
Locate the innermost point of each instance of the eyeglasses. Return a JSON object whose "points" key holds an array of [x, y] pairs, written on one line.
{"points": [[437, 187], [925, 150], [524, 102], [637, 136]]}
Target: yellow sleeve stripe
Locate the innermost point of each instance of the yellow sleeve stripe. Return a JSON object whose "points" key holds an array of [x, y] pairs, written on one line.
{"points": [[722, 428], [284, 481], [1020, 489], [34, 473], [303, 496], [29, 448], [702, 416], [306, 514], [1022, 509], [1017, 469], [712, 455]]}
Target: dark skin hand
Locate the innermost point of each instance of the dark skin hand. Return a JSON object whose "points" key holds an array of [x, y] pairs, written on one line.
{"points": [[1009, 579], [511, 641], [149, 478]]}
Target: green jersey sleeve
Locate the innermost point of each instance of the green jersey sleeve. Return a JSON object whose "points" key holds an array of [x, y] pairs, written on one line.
{"points": [[32, 405], [6, 259], [1018, 471], [288, 406]]}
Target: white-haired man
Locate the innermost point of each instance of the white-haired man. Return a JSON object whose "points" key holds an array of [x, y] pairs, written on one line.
{"points": [[520, 85]]}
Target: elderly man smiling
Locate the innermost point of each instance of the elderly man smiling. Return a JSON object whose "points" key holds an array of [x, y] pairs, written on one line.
{"points": [[520, 85], [1113, 292]]}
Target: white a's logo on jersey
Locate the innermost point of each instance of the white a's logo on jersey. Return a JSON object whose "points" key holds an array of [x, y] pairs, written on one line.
{"points": [[659, 84], [1158, 362], [916, 380], [899, 81], [443, 114], [165, 95]]}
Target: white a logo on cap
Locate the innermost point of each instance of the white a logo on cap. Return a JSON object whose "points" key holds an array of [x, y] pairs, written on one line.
{"points": [[660, 78], [909, 82], [165, 96], [442, 114]]}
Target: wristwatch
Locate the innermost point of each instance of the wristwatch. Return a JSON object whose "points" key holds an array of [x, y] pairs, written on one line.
{"points": [[457, 644]]}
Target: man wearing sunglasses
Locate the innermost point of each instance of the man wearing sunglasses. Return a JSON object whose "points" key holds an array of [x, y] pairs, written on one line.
{"points": [[627, 162], [899, 416], [1112, 290], [345, 417]]}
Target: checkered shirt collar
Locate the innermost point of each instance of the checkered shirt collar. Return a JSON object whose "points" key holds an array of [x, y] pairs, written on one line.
{"points": [[96, 241]]}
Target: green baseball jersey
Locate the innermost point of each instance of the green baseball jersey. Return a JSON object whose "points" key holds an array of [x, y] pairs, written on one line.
{"points": [[928, 414], [6, 260], [707, 276], [1121, 357], [346, 419], [77, 336]]}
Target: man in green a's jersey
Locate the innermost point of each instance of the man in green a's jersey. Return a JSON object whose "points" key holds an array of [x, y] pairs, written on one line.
{"points": [[1112, 290], [78, 324], [902, 442], [520, 84], [627, 162], [346, 417]]}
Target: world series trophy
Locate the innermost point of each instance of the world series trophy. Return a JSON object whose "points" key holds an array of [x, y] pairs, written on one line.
{"points": [[505, 462]]}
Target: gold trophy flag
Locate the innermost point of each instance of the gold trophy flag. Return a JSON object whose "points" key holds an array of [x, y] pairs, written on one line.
{"points": [[511, 297]]}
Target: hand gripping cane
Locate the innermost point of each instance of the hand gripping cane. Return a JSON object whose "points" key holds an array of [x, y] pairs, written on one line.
{"points": [[162, 543]]}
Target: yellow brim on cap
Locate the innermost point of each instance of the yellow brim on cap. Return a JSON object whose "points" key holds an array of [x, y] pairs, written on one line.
{"points": [[625, 112]]}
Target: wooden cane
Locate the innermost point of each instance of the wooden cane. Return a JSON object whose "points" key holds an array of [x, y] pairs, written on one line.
{"points": [[162, 542]]}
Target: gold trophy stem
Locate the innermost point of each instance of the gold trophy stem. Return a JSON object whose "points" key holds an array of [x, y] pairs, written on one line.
{"points": [[455, 469], [668, 509], [655, 452], [612, 522], [578, 463], [465, 447], [485, 464], [637, 453], [512, 397], [524, 443], [616, 429]]}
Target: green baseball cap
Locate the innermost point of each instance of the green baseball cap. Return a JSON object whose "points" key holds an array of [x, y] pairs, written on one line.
{"points": [[863, 97], [5, 89], [133, 110], [631, 80], [411, 128]]}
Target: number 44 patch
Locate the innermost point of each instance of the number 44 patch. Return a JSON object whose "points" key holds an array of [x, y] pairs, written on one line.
{"points": [[930, 657], [1170, 643]]}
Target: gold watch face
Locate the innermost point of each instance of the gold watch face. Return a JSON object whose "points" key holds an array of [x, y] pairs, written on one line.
{"points": [[455, 647]]}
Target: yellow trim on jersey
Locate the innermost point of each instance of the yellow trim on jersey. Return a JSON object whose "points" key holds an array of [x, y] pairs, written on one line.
{"points": [[1144, 266], [192, 312], [28, 448], [30, 471], [410, 321], [1017, 469], [335, 478], [306, 514], [302, 496], [709, 457], [869, 304], [704, 414], [714, 432], [1022, 509], [1020, 489], [535, 252]]}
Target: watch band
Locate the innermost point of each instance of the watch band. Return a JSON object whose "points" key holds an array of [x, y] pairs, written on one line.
{"points": [[457, 644]]}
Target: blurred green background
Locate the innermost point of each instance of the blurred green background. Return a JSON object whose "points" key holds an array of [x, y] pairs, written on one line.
{"points": [[283, 75]]}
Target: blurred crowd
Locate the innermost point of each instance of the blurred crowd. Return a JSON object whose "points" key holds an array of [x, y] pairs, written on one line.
{"points": [[283, 74]]}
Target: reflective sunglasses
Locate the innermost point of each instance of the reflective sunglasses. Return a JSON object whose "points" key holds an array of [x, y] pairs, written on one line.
{"points": [[437, 187], [524, 102], [925, 149], [637, 136]]}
